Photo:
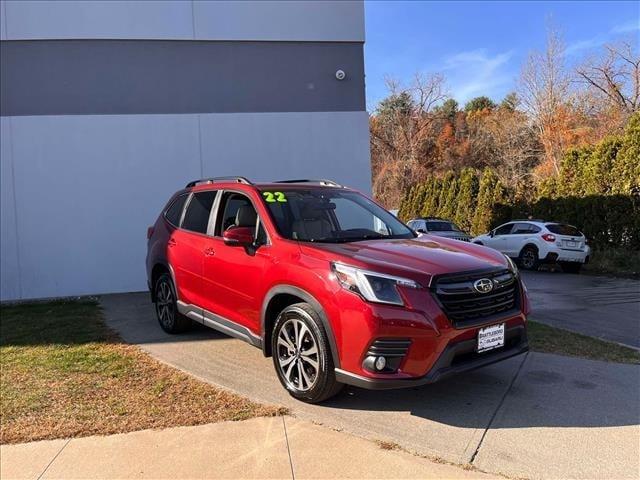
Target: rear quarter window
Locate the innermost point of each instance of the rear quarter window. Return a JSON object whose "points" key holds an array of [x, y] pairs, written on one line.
{"points": [[174, 212], [563, 229]]}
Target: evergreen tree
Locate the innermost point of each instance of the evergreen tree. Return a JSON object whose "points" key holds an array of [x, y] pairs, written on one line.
{"points": [[466, 199]]}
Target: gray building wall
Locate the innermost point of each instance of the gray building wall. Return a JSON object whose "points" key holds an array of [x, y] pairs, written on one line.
{"points": [[108, 107]]}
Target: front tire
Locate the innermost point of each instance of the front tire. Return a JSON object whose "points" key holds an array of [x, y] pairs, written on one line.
{"points": [[170, 319], [571, 267], [302, 355], [529, 259]]}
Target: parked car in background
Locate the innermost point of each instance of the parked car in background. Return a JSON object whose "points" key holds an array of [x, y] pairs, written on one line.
{"points": [[438, 227], [332, 286], [533, 242]]}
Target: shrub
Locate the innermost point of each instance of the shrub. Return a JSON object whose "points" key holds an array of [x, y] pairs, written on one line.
{"points": [[597, 190]]}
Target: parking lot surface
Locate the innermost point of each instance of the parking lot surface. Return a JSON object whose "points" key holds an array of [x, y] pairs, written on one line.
{"points": [[598, 306], [535, 416]]}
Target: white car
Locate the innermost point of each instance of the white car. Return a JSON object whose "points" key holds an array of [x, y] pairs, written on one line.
{"points": [[533, 242], [438, 227]]}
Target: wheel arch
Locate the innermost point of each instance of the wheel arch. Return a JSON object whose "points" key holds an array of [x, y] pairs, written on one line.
{"points": [[529, 245], [280, 297], [158, 269]]}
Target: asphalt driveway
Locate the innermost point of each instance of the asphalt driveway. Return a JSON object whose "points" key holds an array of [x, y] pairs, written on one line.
{"points": [[598, 306], [532, 416]]}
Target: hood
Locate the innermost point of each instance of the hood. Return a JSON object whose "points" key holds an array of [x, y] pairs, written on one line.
{"points": [[415, 258]]}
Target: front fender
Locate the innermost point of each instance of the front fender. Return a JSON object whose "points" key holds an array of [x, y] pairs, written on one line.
{"points": [[306, 297]]}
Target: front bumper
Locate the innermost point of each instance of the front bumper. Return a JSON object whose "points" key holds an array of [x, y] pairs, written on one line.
{"points": [[456, 358]]}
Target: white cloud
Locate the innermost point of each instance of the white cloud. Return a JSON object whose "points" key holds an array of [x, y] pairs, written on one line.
{"points": [[476, 72], [602, 38], [628, 27], [582, 45]]}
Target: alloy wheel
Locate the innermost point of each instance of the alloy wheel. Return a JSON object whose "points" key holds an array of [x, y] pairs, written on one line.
{"points": [[298, 356], [528, 259], [164, 304]]}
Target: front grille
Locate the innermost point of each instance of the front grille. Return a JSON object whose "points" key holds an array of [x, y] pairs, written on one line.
{"points": [[389, 347], [464, 306]]}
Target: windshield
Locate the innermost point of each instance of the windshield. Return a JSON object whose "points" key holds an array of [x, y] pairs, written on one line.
{"points": [[330, 216], [442, 227]]}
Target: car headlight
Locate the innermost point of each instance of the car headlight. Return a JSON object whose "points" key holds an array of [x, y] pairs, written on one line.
{"points": [[372, 286], [512, 265]]}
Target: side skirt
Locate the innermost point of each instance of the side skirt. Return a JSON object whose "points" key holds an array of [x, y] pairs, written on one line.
{"points": [[221, 324]]}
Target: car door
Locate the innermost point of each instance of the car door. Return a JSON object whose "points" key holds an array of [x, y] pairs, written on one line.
{"points": [[233, 275], [518, 237], [500, 236], [185, 248]]}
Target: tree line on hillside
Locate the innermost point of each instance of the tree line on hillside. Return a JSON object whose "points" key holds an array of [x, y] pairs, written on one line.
{"points": [[597, 188], [419, 134]]}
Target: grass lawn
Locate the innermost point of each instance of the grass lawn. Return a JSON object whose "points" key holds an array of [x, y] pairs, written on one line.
{"points": [[63, 373], [544, 338]]}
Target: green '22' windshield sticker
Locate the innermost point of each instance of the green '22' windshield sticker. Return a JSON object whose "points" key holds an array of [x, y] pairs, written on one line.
{"points": [[272, 197]]}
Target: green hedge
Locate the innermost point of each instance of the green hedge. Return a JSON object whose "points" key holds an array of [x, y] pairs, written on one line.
{"points": [[597, 189]]}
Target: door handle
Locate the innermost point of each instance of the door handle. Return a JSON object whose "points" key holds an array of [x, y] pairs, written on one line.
{"points": [[209, 252], [171, 242]]}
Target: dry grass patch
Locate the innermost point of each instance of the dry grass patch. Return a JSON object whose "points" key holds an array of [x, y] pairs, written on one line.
{"points": [[63, 373], [548, 339], [386, 445]]}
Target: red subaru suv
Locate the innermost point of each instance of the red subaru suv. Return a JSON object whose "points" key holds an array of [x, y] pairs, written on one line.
{"points": [[331, 285]]}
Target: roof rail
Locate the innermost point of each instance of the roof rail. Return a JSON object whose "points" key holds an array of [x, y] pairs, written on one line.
{"points": [[218, 179], [329, 183]]}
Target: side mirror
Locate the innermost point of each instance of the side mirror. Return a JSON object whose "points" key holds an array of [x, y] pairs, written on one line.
{"points": [[238, 236], [492, 233], [421, 230]]}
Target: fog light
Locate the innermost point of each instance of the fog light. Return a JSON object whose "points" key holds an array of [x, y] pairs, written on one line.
{"points": [[381, 362]]}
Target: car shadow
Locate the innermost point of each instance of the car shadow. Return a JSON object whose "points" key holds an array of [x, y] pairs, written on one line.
{"points": [[532, 390]]}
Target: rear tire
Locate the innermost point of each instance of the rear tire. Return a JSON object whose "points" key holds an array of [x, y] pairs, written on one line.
{"points": [[170, 319], [302, 355], [529, 259], [571, 267]]}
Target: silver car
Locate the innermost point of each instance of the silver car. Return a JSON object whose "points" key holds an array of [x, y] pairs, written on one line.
{"points": [[438, 227]]}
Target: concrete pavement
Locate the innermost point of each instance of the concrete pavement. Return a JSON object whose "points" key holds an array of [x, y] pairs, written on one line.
{"points": [[537, 416], [604, 307], [278, 447]]}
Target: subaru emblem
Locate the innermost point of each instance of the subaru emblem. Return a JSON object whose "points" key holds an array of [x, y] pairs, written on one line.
{"points": [[484, 285]]}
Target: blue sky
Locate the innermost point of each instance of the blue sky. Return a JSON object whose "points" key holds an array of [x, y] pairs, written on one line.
{"points": [[480, 46]]}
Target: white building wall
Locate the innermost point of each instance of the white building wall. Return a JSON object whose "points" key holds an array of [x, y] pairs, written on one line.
{"points": [[10, 284], [266, 20], [88, 186], [78, 191]]}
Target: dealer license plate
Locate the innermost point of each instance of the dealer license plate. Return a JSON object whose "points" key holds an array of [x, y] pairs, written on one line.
{"points": [[490, 337]]}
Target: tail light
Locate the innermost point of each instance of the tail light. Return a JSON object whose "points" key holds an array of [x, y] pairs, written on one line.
{"points": [[149, 232], [548, 237]]}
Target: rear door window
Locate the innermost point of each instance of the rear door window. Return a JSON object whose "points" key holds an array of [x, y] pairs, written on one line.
{"points": [[563, 229], [196, 218], [524, 228]]}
